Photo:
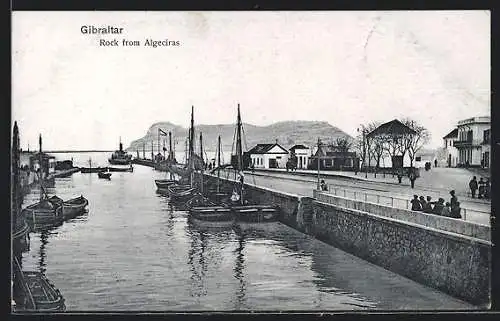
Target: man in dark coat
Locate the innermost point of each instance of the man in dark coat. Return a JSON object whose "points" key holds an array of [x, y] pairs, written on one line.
{"points": [[473, 186], [455, 205], [415, 204]]}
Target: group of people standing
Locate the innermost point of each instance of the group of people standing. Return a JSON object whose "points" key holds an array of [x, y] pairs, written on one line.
{"points": [[482, 187], [439, 207]]}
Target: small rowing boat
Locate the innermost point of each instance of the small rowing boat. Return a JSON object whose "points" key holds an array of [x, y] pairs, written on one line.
{"points": [[105, 175], [164, 183], [70, 208], [44, 213]]}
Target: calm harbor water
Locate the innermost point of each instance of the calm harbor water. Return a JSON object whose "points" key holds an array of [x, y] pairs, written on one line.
{"points": [[134, 251]]}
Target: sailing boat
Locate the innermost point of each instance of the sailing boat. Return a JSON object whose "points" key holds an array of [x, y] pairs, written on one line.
{"points": [[164, 183], [183, 192], [199, 199], [43, 212], [240, 208]]}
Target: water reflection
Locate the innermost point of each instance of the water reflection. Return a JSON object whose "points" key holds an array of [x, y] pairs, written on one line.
{"points": [[239, 270], [168, 262]]}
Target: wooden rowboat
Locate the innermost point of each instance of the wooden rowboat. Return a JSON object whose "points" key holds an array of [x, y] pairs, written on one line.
{"points": [[105, 175], [44, 213], [87, 170], [164, 183], [45, 295], [212, 214], [180, 192], [121, 169], [256, 213], [70, 208]]}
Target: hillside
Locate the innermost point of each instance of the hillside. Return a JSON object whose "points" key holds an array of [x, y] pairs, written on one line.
{"points": [[288, 134]]}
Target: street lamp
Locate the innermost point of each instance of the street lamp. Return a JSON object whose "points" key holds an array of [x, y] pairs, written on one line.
{"points": [[317, 154]]}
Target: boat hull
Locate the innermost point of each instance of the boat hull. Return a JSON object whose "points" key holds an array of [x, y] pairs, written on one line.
{"points": [[255, 213], [45, 296], [87, 170], [74, 207], [104, 175], [118, 169], [180, 192], [164, 183], [120, 161], [212, 214], [41, 216]]}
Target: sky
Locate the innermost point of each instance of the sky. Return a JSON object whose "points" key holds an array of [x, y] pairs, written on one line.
{"points": [[344, 67]]}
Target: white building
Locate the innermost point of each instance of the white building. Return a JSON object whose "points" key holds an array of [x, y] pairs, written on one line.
{"points": [[268, 156], [473, 142], [302, 152], [450, 149]]}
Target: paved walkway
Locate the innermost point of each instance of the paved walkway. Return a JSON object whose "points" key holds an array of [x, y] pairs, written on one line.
{"points": [[437, 181], [395, 195]]}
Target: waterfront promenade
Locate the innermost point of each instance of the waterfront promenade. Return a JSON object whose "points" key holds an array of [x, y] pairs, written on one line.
{"points": [[303, 182]]}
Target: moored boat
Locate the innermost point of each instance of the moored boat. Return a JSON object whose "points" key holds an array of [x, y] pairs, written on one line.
{"points": [[45, 295], [180, 192], [212, 214], [70, 208], [164, 183], [87, 170], [255, 213], [105, 175], [121, 169], [120, 157], [44, 212]]}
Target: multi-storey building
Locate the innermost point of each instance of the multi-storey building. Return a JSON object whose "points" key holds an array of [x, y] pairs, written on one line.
{"points": [[473, 142]]}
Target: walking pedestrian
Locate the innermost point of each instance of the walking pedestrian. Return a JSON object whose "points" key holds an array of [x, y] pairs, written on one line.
{"points": [[415, 204], [435, 163], [412, 176], [481, 188], [473, 186]]}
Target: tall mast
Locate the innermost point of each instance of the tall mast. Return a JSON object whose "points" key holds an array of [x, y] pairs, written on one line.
{"points": [[202, 163], [191, 136], [191, 146], [41, 168], [201, 147], [239, 152], [238, 141], [159, 141], [170, 146], [218, 164], [16, 188]]}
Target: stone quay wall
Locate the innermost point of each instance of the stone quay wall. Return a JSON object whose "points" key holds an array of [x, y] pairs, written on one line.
{"points": [[454, 263], [448, 224]]}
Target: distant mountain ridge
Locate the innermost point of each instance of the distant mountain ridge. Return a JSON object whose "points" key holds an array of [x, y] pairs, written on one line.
{"points": [[288, 133]]}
